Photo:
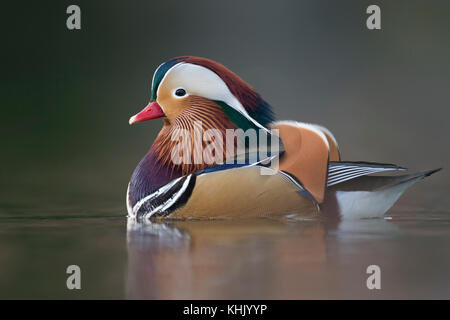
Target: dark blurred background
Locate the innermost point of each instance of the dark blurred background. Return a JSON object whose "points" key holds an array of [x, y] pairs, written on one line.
{"points": [[67, 95]]}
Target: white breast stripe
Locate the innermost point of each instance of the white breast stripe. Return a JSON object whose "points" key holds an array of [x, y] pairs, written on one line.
{"points": [[171, 201], [158, 192], [129, 209]]}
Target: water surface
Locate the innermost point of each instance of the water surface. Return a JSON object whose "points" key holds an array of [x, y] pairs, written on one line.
{"points": [[223, 259]]}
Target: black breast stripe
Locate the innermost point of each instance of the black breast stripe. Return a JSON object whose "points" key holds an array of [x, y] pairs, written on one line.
{"points": [[165, 202]]}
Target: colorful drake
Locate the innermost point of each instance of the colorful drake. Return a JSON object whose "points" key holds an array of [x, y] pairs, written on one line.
{"points": [[290, 167]]}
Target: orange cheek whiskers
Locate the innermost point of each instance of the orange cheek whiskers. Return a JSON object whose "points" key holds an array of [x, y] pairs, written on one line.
{"points": [[202, 111]]}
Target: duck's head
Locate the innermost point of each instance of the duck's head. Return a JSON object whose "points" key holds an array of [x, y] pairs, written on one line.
{"points": [[189, 89], [184, 82]]}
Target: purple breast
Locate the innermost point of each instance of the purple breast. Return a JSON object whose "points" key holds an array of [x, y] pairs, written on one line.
{"points": [[148, 176]]}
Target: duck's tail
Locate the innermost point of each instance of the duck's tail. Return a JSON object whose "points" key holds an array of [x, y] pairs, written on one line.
{"points": [[369, 196], [341, 188]]}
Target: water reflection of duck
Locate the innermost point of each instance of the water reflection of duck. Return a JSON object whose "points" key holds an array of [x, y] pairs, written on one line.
{"points": [[251, 258], [208, 259], [310, 178]]}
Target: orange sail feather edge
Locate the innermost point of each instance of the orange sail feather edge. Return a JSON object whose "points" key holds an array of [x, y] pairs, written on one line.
{"points": [[308, 149]]}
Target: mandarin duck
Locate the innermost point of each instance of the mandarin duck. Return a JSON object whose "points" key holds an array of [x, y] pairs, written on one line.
{"points": [[297, 169]]}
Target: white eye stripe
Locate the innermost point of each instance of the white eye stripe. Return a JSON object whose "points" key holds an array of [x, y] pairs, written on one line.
{"points": [[201, 81]]}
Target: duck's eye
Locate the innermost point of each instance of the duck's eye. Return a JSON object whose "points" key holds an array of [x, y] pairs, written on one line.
{"points": [[180, 92]]}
